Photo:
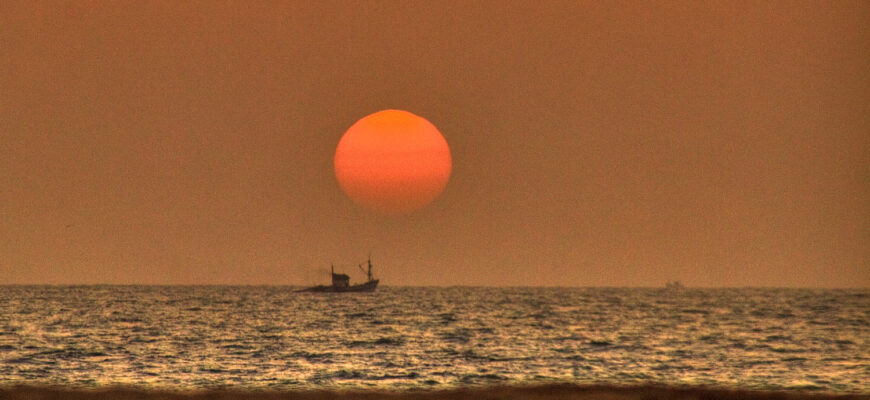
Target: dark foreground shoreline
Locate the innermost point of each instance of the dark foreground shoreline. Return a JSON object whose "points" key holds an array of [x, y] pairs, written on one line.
{"points": [[539, 392]]}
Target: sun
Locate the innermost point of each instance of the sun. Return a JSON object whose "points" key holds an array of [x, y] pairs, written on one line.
{"points": [[393, 162]]}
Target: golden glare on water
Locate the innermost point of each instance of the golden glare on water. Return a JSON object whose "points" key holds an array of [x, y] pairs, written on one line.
{"points": [[393, 162]]}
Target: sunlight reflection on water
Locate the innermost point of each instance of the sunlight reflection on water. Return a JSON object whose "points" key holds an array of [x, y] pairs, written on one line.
{"points": [[213, 336]]}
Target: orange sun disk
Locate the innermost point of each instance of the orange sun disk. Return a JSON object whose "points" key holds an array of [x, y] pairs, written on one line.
{"points": [[393, 162]]}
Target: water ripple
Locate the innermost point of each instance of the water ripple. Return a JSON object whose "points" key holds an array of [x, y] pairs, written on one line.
{"points": [[271, 337]]}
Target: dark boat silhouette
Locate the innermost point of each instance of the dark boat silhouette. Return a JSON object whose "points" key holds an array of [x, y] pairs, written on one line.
{"points": [[341, 283], [674, 285]]}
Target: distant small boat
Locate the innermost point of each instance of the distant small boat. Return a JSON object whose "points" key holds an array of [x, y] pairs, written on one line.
{"points": [[674, 285], [341, 283]]}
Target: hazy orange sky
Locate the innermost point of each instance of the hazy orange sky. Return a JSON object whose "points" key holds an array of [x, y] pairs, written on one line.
{"points": [[593, 143]]}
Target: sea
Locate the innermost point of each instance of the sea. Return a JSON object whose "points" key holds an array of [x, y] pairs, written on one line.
{"points": [[270, 337]]}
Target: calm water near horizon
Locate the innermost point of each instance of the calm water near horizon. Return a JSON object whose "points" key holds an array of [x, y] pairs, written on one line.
{"points": [[186, 337]]}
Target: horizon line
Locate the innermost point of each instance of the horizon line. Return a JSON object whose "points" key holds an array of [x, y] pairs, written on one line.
{"points": [[685, 287]]}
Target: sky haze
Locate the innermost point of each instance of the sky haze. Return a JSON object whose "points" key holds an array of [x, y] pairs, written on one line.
{"points": [[593, 143]]}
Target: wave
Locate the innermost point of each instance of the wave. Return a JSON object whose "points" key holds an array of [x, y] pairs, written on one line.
{"points": [[539, 392]]}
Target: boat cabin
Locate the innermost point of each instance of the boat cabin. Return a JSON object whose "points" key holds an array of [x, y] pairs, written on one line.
{"points": [[340, 280]]}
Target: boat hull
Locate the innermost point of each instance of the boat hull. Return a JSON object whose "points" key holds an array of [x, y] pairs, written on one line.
{"points": [[369, 286]]}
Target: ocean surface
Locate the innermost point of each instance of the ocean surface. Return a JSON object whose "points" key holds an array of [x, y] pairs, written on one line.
{"points": [[191, 337]]}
